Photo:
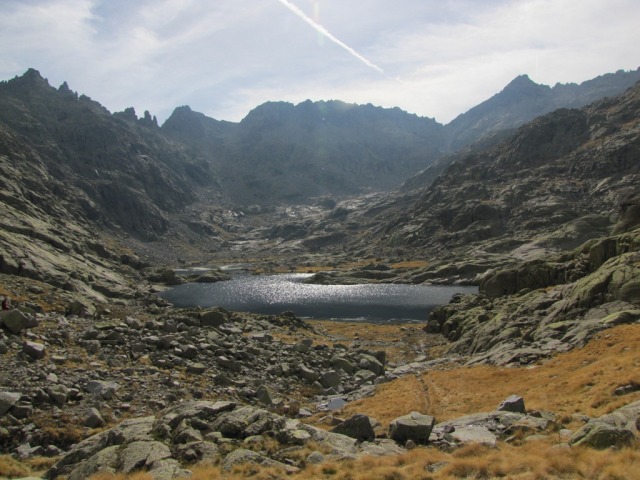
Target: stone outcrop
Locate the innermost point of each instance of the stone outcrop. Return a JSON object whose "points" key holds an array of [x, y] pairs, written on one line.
{"points": [[618, 429], [194, 432], [598, 288], [488, 428]]}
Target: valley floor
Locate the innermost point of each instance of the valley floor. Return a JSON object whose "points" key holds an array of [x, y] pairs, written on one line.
{"points": [[584, 383]]}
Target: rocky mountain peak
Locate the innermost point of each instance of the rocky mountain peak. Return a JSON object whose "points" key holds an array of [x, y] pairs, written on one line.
{"points": [[521, 88], [519, 82], [33, 76], [522, 100]]}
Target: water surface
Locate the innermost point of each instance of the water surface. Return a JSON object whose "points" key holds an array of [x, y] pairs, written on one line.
{"points": [[274, 294]]}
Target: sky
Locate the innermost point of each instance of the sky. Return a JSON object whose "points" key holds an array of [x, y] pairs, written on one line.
{"points": [[434, 58]]}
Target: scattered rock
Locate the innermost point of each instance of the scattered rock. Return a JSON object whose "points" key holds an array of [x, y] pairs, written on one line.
{"points": [[105, 390], [8, 400], [34, 350], [58, 394], [264, 395], [93, 419]]}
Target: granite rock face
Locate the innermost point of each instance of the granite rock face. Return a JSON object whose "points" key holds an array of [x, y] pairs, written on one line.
{"points": [[596, 287]]}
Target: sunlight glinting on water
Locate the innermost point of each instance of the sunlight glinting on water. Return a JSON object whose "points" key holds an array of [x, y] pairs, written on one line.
{"points": [[277, 293]]}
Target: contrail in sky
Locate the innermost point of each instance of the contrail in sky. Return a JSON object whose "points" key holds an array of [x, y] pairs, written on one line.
{"points": [[323, 31]]}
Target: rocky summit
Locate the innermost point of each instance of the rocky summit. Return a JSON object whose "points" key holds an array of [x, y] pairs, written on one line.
{"points": [[532, 197]]}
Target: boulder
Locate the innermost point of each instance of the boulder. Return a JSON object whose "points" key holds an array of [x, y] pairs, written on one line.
{"points": [[307, 374], [369, 362], [14, 320], [474, 434], [81, 308], [214, 318], [343, 364], [198, 451], [513, 403], [314, 458], [138, 455], [229, 364], [600, 435], [196, 368], [415, 426], [264, 395], [358, 426]]}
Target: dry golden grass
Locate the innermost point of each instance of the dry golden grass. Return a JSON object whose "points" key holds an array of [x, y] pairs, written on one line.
{"points": [[392, 400], [531, 461], [410, 264], [11, 468], [399, 342], [537, 460], [580, 381], [121, 476], [265, 267], [35, 466]]}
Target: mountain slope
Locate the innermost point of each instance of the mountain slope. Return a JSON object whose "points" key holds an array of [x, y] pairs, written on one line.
{"points": [[553, 184], [281, 152], [122, 171], [522, 100]]}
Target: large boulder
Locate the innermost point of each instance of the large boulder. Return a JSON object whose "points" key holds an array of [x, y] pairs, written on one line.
{"points": [[214, 318], [617, 429], [513, 403], [358, 426], [600, 435], [415, 426], [15, 321]]}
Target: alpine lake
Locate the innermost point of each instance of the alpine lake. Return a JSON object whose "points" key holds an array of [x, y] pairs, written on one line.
{"points": [[275, 294]]}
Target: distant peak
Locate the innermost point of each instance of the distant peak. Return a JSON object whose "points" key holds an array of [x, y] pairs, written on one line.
{"points": [[183, 109], [32, 76], [32, 73], [521, 80]]}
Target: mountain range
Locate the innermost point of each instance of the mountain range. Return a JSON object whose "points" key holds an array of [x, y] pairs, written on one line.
{"points": [[197, 184]]}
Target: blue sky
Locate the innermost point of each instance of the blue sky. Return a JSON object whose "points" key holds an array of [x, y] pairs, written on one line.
{"points": [[434, 58]]}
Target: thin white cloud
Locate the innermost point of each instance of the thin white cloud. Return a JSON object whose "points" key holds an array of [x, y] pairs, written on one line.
{"points": [[323, 31], [226, 57]]}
